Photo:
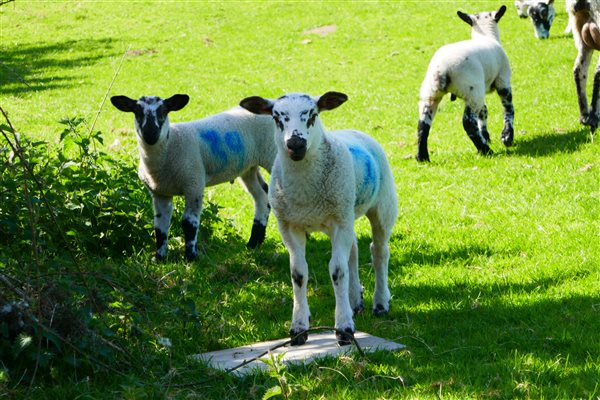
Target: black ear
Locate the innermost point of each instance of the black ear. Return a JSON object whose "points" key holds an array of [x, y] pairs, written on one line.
{"points": [[331, 100], [176, 102], [124, 103], [465, 17], [498, 14], [257, 105]]}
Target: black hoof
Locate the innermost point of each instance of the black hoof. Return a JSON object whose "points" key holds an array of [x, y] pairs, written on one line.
{"points": [[257, 236], [486, 151], [359, 308], [160, 258], [344, 338], [298, 337], [190, 254], [380, 310], [423, 158]]}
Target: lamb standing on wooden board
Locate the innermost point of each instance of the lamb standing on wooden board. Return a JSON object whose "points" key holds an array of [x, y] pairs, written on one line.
{"points": [[468, 70], [584, 16], [184, 158], [323, 181]]}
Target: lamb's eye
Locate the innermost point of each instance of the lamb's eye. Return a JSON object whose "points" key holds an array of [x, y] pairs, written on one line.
{"points": [[278, 122], [311, 120]]}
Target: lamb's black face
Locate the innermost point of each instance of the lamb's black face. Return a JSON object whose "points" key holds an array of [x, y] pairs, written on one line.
{"points": [[150, 116], [542, 15]]}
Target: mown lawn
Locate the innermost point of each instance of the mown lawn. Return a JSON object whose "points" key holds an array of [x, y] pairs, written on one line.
{"points": [[495, 266]]}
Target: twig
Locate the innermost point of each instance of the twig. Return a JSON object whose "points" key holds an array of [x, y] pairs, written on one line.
{"points": [[109, 88], [19, 77]]}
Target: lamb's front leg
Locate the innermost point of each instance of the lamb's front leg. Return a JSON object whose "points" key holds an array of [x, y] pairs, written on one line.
{"points": [[341, 241], [190, 223], [508, 132], [163, 209], [295, 243]]}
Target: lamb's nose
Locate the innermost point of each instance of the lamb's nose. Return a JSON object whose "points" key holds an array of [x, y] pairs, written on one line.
{"points": [[296, 147]]}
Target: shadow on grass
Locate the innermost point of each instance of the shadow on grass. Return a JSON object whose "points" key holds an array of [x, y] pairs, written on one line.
{"points": [[551, 143], [22, 68]]}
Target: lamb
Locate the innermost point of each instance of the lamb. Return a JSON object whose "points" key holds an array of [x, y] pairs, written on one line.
{"points": [[468, 70], [323, 181], [583, 17], [184, 158], [541, 13]]}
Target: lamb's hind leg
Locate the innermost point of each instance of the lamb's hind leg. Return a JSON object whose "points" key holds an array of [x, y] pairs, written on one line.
{"points": [[190, 223], [508, 132], [595, 105], [427, 110], [257, 187], [482, 123], [580, 74], [471, 126], [382, 222]]}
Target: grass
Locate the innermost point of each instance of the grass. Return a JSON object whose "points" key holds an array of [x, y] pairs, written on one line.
{"points": [[495, 261]]}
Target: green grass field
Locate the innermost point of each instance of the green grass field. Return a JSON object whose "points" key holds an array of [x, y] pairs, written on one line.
{"points": [[495, 266]]}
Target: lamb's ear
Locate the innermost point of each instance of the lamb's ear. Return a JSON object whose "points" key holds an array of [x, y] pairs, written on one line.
{"points": [[176, 102], [124, 103], [498, 14], [465, 17], [257, 105], [550, 2], [331, 100]]}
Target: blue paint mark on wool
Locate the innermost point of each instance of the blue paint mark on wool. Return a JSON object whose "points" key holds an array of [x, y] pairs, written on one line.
{"points": [[234, 142], [213, 139], [366, 165]]}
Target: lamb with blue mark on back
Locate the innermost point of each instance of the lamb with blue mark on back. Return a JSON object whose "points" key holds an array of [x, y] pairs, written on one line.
{"points": [[323, 181], [184, 158]]}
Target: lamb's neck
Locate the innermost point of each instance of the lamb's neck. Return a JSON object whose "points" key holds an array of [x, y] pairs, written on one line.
{"points": [[153, 157], [485, 32]]}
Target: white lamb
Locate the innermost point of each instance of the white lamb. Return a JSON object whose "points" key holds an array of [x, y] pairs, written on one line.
{"points": [[183, 158], [323, 181], [584, 17], [468, 70]]}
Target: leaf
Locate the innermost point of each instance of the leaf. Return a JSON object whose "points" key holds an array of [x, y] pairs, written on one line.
{"points": [[272, 392]]}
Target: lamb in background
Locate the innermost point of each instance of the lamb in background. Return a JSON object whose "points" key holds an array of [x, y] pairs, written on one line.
{"points": [[184, 158], [584, 16], [469, 69], [323, 181], [541, 13]]}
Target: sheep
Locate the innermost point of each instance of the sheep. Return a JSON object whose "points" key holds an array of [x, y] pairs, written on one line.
{"points": [[584, 16], [468, 69], [323, 181], [541, 13], [184, 158]]}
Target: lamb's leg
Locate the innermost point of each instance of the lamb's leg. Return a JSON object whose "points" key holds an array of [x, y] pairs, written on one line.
{"points": [[355, 288], [508, 132], [163, 209], [580, 71], [295, 243], [595, 105], [190, 223], [482, 123], [472, 129], [427, 110], [258, 189], [341, 242], [381, 227]]}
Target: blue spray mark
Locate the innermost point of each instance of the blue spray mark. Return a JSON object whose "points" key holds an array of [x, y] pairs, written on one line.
{"points": [[213, 139], [366, 164], [235, 144], [226, 148]]}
